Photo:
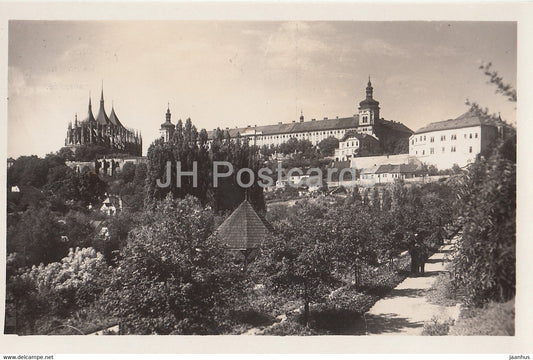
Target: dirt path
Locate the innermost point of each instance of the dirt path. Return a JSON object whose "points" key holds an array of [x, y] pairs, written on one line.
{"points": [[405, 309]]}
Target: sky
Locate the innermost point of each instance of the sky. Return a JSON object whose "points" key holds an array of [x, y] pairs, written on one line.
{"points": [[238, 73]]}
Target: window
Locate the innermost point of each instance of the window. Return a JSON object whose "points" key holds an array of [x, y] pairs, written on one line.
{"points": [[465, 136], [453, 149], [470, 136], [470, 150], [443, 149], [423, 152], [432, 151], [424, 137], [454, 137], [443, 138], [432, 139], [476, 135], [420, 137]]}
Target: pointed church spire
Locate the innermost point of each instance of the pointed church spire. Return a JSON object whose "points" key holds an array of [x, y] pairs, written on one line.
{"points": [[369, 89], [167, 115]]}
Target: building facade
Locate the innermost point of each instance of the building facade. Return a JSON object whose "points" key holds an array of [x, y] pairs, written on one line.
{"points": [[454, 141], [350, 145], [366, 121], [103, 130]]}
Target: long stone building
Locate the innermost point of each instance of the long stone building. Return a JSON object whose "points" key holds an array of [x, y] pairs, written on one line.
{"points": [[103, 130], [366, 121]]}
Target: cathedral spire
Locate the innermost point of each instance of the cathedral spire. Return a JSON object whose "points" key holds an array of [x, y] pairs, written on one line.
{"points": [[102, 94]]}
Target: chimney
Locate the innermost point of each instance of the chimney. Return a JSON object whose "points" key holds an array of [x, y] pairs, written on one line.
{"points": [[313, 119]]}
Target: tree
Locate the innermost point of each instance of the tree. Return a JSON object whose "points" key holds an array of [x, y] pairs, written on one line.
{"points": [[299, 268], [36, 236], [57, 288], [485, 262], [327, 146], [184, 274], [298, 261]]}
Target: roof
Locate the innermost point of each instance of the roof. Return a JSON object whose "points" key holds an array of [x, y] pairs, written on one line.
{"points": [[90, 116], [395, 125], [400, 168], [368, 102], [102, 118], [359, 136], [468, 119], [243, 229], [168, 124], [295, 127], [113, 118]]}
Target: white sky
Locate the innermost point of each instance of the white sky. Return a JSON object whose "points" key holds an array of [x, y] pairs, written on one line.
{"points": [[234, 73]]}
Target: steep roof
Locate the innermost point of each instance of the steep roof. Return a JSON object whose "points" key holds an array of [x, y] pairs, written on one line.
{"points": [[295, 127], [102, 118], [243, 229], [468, 119], [113, 118], [90, 116]]}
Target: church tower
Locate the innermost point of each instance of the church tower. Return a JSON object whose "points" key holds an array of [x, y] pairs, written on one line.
{"points": [[167, 128], [368, 111]]}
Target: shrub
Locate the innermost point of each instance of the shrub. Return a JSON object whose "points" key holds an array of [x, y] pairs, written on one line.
{"points": [[495, 319], [437, 328]]}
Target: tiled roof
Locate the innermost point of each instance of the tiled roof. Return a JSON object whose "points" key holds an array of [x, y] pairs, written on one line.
{"points": [[400, 168], [295, 127], [468, 119], [243, 229]]}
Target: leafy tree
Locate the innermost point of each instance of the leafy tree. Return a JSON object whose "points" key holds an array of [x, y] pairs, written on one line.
{"points": [[328, 146], [184, 274], [188, 146], [91, 188], [298, 261], [57, 288], [485, 263], [35, 236], [299, 268]]}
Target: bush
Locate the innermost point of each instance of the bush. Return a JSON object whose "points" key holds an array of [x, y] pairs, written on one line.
{"points": [[495, 319], [443, 291], [437, 328], [290, 328]]}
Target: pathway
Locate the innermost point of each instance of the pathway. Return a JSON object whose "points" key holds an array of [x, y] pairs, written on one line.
{"points": [[405, 309]]}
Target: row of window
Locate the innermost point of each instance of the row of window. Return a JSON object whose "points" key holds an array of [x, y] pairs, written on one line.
{"points": [[443, 137], [317, 133], [350, 144], [443, 150]]}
